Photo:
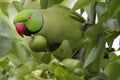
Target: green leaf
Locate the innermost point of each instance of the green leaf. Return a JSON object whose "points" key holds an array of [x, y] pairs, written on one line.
{"points": [[6, 38], [36, 73], [112, 31], [110, 35], [42, 66], [64, 51], [4, 6], [22, 2], [68, 3], [89, 10], [53, 64], [18, 5], [27, 51], [113, 24], [118, 17], [91, 57], [25, 69], [20, 51], [29, 4], [4, 1], [94, 31], [112, 70], [112, 56], [114, 5], [71, 64], [101, 8], [61, 73], [41, 57], [44, 4], [100, 76], [96, 54], [17, 54], [79, 71], [74, 77], [100, 54], [52, 2], [82, 3]]}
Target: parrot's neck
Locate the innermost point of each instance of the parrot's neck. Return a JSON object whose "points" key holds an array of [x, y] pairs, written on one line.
{"points": [[41, 17]]}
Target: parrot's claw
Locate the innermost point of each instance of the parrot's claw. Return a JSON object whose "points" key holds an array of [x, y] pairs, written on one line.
{"points": [[32, 36]]}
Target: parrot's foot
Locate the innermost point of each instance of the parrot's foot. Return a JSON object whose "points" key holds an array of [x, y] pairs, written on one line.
{"points": [[32, 36]]}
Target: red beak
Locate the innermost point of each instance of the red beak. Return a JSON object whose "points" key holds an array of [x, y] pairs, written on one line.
{"points": [[20, 27]]}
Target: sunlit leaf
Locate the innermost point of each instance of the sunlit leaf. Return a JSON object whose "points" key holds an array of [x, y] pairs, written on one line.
{"points": [[53, 64], [4, 63], [6, 37], [61, 73], [17, 5]]}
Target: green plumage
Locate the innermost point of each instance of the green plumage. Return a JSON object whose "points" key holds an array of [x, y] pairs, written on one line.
{"points": [[59, 25]]}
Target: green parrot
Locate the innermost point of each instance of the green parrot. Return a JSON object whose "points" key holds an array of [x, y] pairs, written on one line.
{"points": [[54, 23]]}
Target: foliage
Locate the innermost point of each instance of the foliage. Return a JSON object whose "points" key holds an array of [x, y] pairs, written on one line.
{"points": [[19, 62]]}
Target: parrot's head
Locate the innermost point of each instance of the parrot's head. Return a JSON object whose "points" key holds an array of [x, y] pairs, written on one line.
{"points": [[28, 22]]}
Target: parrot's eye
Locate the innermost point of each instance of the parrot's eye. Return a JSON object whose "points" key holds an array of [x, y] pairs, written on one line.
{"points": [[29, 18]]}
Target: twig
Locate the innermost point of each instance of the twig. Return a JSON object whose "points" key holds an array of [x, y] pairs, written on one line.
{"points": [[94, 13], [80, 55]]}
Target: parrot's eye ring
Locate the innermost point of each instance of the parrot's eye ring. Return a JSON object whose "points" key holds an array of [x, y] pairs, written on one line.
{"points": [[29, 18]]}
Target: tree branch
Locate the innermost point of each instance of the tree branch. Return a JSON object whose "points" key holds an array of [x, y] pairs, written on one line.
{"points": [[94, 13], [80, 55]]}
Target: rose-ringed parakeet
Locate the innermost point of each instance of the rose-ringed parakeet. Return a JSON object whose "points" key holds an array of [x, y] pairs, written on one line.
{"points": [[54, 23]]}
